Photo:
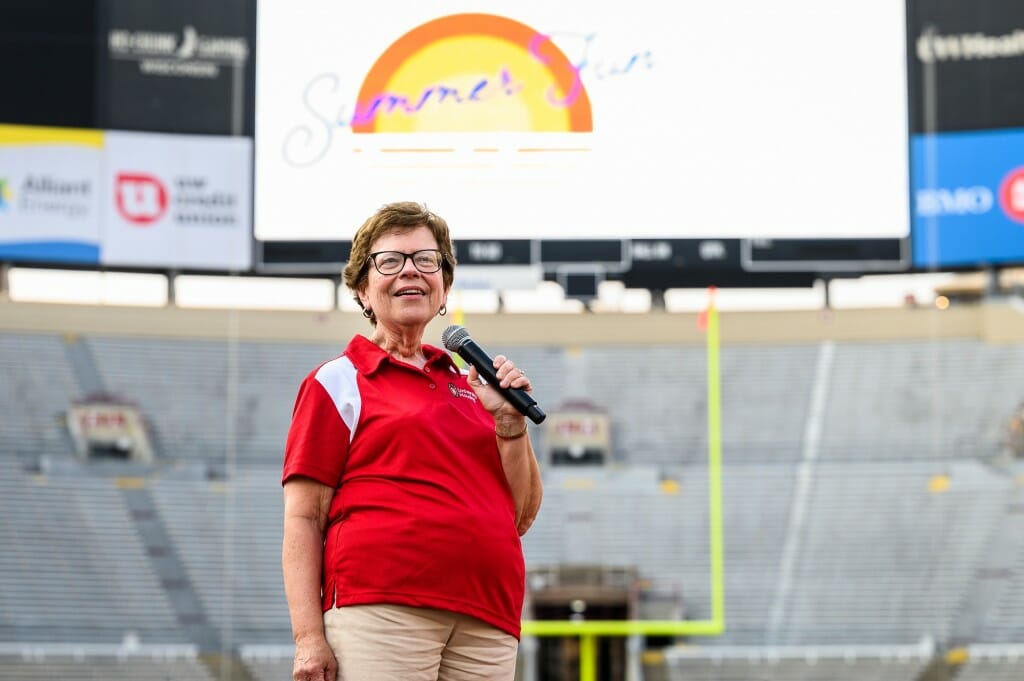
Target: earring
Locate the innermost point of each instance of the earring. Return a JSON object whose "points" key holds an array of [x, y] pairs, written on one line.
{"points": [[368, 313], [443, 311]]}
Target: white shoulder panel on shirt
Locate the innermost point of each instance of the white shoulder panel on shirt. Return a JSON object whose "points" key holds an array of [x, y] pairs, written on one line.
{"points": [[338, 377]]}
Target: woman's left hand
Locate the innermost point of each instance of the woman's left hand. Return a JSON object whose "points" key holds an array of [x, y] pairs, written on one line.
{"points": [[509, 376]]}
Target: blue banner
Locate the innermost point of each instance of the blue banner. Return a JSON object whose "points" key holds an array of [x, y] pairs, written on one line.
{"points": [[968, 198]]}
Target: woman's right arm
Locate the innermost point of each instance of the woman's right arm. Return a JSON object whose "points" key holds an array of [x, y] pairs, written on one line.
{"points": [[306, 507]]}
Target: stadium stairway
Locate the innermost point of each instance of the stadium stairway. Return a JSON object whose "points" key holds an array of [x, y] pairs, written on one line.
{"points": [[993, 578], [167, 565], [184, 599], [226, 666], [83, 365]]}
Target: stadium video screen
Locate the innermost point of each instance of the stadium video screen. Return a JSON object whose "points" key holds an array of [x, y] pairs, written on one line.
{"points": [[580, 120]]}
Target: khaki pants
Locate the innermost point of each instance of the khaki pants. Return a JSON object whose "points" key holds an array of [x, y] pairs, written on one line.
{"points": [[399, 643]]}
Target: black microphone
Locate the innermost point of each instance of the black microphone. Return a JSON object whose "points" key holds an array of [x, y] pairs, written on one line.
{"points": [[456, 339]]}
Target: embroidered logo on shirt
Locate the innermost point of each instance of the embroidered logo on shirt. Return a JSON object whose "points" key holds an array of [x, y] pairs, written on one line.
{"points": [[456, 391]]}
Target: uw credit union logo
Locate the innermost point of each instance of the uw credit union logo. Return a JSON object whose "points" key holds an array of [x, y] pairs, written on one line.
{"points": [[141, 199], [5, 194]]}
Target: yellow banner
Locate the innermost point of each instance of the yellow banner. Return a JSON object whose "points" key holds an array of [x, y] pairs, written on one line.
{"points": [[28, 134]]}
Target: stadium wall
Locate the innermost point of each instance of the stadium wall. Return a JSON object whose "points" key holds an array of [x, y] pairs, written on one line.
{"points": [[992, 322]]}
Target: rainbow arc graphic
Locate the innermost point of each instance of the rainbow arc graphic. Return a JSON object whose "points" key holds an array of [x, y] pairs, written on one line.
{"points": [[472, 73]]}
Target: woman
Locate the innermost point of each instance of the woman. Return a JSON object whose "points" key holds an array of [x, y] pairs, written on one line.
{"points": [[407, 485]]}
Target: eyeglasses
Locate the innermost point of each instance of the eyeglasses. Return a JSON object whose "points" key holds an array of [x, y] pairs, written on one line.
{"points": [[426, 261]]}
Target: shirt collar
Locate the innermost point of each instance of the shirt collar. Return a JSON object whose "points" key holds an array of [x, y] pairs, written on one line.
{"points": [[368, 357]]}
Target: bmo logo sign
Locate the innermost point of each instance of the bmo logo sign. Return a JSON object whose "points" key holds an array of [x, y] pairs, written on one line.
{"points": [[976, 200], [1011, 195], [141, 199]]}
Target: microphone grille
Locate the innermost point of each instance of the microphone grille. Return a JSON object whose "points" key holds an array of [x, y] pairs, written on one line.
{"points": [[453, 337]]}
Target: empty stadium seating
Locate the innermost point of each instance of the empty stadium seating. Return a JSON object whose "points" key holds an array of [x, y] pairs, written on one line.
{"points": [[72, 567], [993, 662], [797, 664], [882, 516], [37, 384], [102, 663]]}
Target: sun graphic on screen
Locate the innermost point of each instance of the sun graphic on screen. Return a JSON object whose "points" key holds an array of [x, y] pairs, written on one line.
{"points": [[472, 73]]}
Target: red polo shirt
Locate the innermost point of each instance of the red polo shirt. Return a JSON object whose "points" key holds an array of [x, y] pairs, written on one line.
{"points": [[422, 514]]}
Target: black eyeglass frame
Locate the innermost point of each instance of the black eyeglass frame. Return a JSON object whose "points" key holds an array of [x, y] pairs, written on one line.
{"points": [[406, 257]]}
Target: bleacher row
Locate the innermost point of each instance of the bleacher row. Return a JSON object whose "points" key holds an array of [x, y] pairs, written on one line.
{"points": [[102, 663], [884, 560], [936, 398], [889, 522], [686, 667]]}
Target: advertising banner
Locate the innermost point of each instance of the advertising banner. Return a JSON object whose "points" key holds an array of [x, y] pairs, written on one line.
{"points": [[972, 54], [125, 199], [183, 66], [178, 201], [50, 188], [968, 198]]}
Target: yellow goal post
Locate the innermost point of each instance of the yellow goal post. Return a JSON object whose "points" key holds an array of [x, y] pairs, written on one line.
{"points": [[589, 630]]}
